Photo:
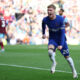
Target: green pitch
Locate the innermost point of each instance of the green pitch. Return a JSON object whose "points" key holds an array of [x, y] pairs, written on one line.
{"points": [[23, 62]]}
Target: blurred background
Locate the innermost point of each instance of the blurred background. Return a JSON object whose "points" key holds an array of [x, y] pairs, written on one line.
{"points": [[24, 18]]}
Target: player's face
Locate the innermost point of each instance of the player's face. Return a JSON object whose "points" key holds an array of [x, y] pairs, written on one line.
{"points": [[60, 12], [51, 12]]}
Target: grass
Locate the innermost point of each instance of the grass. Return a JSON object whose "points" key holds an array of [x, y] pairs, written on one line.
{"points": [[18, 62]]}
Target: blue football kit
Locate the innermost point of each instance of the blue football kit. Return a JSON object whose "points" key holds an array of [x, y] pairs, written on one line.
{"points": [[56, 33]]}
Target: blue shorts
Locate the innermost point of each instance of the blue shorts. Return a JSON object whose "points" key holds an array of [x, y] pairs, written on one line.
{"points": [[64, 51], [2, 35]]}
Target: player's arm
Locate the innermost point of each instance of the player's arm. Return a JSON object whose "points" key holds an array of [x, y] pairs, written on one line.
{"points": [[66, 23], [62, 34], [43, 29]]}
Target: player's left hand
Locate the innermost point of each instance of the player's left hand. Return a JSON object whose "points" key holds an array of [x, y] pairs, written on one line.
{"points": [[59, 47]]}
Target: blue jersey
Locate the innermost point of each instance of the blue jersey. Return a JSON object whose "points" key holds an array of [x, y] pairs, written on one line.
{"points": [[56, 29]]}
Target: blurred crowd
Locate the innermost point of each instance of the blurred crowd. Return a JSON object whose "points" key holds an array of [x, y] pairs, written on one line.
{"points": [[24, 20]]}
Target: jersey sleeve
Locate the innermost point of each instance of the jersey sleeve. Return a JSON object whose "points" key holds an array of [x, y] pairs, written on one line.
{"points": [[62, 32], [43, 26], [65, 20]]}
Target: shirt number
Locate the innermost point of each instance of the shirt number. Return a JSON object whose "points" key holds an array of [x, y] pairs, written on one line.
{"points": [[3, 23]]}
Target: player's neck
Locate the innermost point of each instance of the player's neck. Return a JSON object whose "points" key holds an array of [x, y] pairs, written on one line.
{"points": [[54, 17]]}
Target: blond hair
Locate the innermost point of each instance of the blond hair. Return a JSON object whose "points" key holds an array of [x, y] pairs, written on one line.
{"points": [[51, 6]]}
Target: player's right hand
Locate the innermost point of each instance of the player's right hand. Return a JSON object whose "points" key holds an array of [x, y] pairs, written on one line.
{"points": [[43, 36]]}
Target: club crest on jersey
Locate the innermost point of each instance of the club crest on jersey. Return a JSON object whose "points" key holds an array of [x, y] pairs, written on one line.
{"points": [[57, 24]]}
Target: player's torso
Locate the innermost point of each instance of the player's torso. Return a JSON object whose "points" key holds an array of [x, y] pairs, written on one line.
{"points": [[2, 25], [54, 26]]}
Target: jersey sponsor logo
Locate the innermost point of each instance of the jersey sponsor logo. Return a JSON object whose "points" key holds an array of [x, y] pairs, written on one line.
{"points": [[54, 30]]}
